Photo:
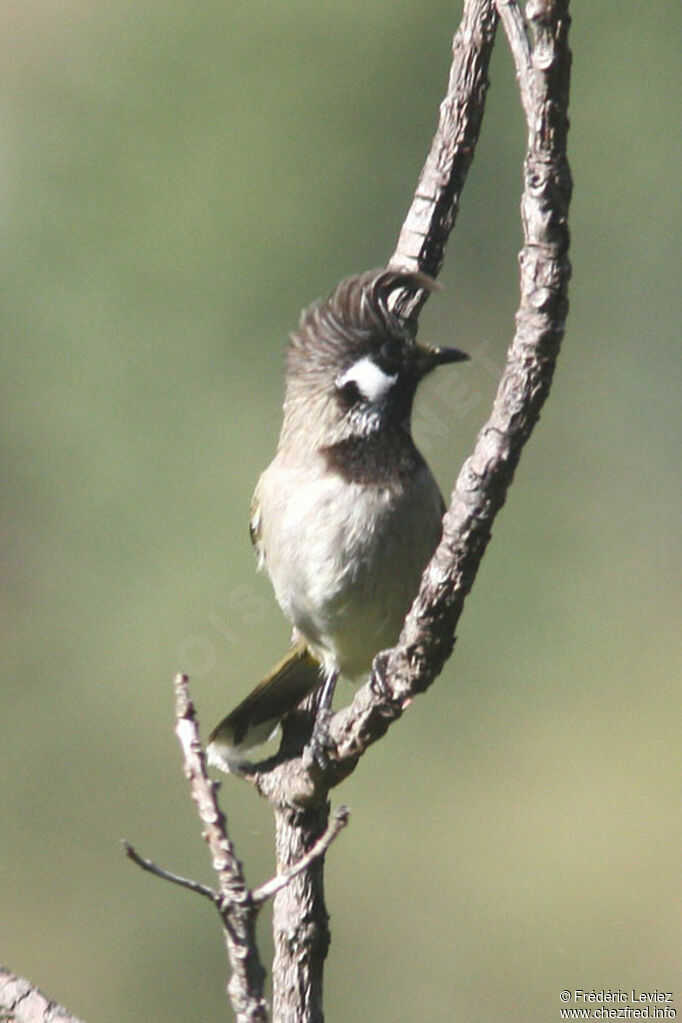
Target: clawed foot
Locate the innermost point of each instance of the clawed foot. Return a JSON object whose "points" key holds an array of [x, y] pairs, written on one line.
{"points": [[321, 747]]}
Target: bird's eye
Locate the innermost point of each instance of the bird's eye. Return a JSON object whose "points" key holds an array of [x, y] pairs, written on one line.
{"points": [[390, 355], [349, 392]]}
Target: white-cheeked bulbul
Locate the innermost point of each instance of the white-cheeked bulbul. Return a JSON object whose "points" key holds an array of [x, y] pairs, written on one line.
{"points": [[348, 513]]}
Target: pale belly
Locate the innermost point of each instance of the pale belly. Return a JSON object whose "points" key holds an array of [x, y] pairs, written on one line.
{"points": [[346, 559]]}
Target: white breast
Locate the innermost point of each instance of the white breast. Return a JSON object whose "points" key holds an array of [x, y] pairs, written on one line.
{"points": [[345, 559]]}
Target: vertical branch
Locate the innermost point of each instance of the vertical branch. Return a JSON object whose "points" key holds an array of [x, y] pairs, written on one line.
{"points": [[300, 920]]}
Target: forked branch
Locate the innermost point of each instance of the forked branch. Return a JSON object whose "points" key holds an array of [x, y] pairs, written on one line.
{"points": [[237, 905]]}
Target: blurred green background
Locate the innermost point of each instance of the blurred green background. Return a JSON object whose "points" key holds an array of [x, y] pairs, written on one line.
{"points": [[178, 180]]}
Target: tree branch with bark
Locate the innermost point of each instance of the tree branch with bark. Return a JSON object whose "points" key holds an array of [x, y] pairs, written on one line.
{"points": [[23, 1002]]}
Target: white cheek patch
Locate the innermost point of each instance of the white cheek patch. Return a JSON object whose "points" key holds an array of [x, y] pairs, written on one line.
{"points": [[372, 383]]}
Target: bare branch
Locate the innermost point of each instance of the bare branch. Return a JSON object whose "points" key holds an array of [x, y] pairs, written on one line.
{"points": [[300, 923], [432, 215], [22, 1002], [275, 884], [236, 907], [167, 875], [203, 790]]}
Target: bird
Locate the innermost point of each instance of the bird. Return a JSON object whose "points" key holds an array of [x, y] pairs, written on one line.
{"points": [[347, 515]]}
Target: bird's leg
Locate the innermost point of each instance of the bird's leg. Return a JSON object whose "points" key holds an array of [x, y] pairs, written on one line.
{"points": [[321, 744]]}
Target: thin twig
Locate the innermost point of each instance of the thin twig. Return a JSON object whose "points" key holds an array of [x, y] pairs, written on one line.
{"points": [[167, 875], [203, 790], [233, 900], [237, 910], [275, 884]]}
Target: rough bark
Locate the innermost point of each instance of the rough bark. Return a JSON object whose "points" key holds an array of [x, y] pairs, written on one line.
{"points": [[300, 920], [21, 1002], [433, 211]]}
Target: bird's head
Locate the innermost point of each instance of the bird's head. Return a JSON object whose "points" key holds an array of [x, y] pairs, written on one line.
{"points": [[354, 364]]}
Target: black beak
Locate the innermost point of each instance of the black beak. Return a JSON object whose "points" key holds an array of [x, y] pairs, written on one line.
{"points": [[429, 358]]}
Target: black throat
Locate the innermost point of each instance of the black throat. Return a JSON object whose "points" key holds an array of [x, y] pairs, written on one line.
{"points": [[381, 458]]}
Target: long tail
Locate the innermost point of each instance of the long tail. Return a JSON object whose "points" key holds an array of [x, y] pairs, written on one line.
{"points": [[255, 719]]}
